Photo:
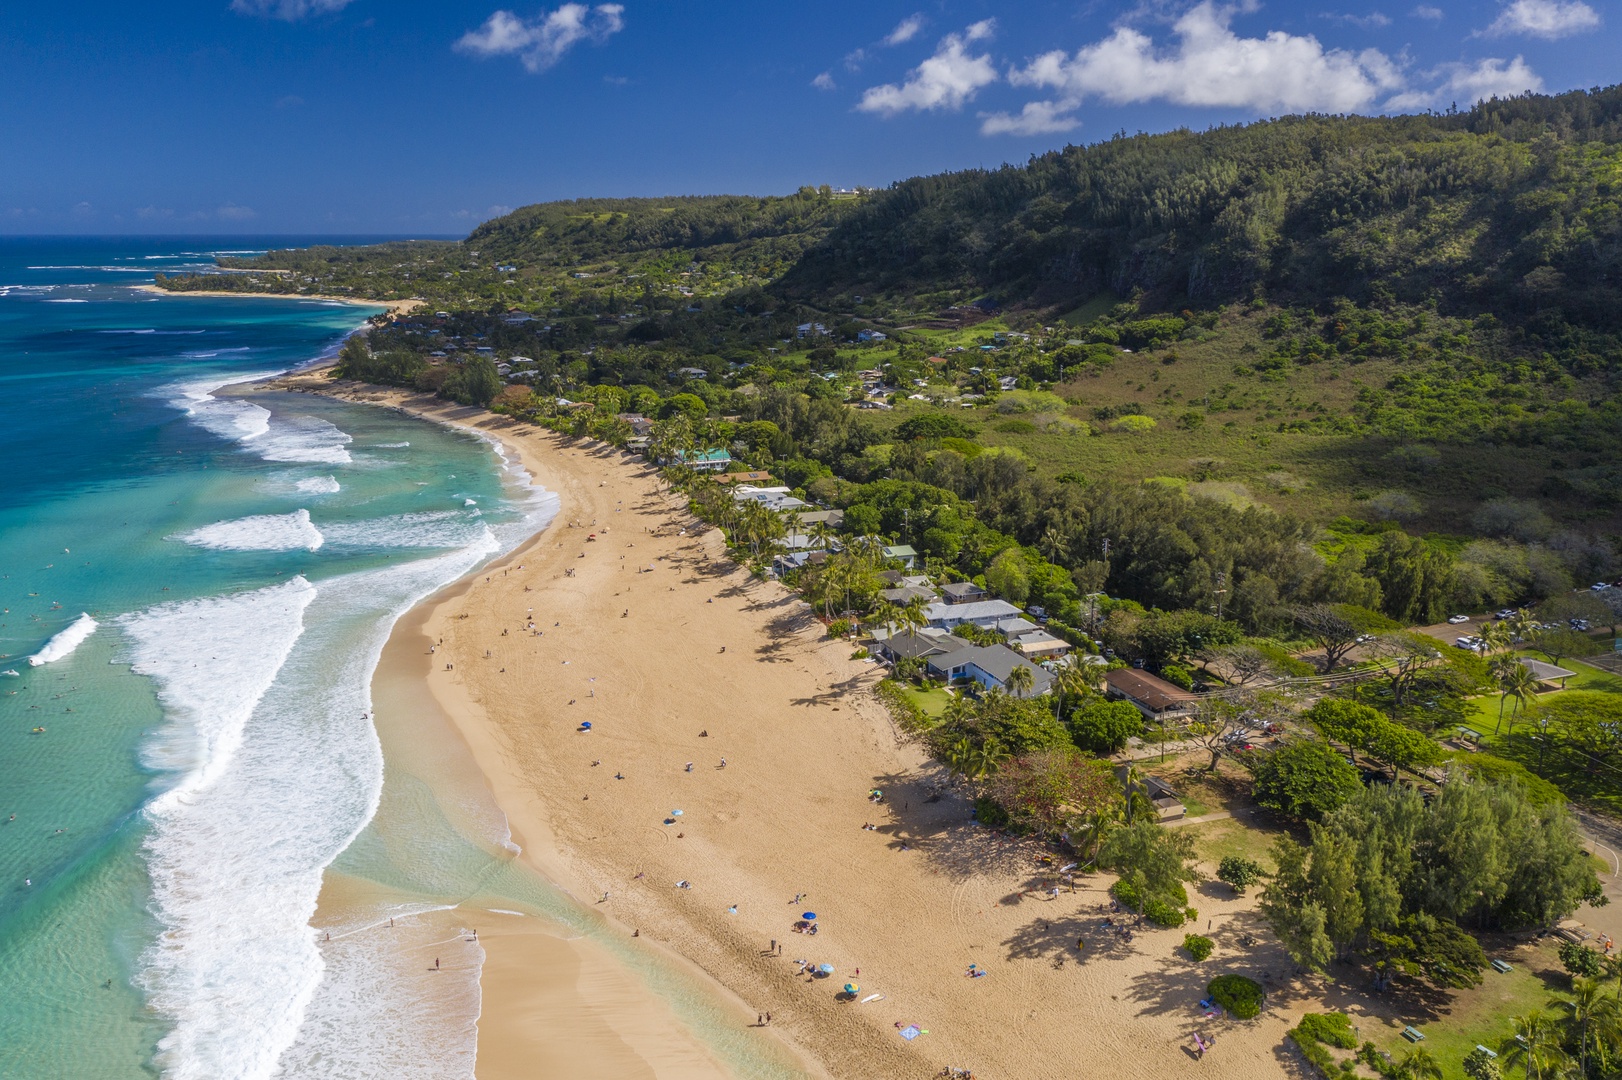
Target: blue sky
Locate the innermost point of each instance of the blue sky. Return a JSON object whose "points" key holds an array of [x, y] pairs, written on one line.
{"points": [[415, 118]]}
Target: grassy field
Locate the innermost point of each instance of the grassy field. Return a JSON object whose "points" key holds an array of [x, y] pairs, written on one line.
{"points": [[931, 701], [1477, 1016], [1219, 431]]}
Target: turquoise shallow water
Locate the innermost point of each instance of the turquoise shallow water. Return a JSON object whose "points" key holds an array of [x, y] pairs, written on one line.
{"points": [[209, 575]]}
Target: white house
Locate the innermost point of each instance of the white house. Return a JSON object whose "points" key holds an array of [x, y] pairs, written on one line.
{"points": [[982, 613], [772, 498]]}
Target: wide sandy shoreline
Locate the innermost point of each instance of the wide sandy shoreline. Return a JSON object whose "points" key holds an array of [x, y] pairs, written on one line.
{"points": [[676, 656], [395, 307]]}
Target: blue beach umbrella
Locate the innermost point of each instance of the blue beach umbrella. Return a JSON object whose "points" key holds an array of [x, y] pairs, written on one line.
{"points": [[809, 916], [826, 969]]}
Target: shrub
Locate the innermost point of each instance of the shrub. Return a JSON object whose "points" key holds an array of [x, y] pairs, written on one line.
{"points": [[1162, 912], [1103, 727], [1305, 780], [1332, 1028], [1240, 996], [1178, 675], [988, 811], [860, 654], [839, 628], [1580, 960], [1197, 946], [903, 709], [1239, 873], [1479, 1066], [1134, 425], [1319, 1058]]}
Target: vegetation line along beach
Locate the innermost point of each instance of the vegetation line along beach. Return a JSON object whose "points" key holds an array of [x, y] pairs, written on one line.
{"points": [[1152, 605]]}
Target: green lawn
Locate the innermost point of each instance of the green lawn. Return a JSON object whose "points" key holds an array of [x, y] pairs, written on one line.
{"points": [[1480, 1015], [931, 701]]}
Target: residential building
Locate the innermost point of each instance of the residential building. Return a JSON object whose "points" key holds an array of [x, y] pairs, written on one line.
{"points": [[992, 665], [1041, 644], [640, 425], [936, 651], [715, 460], [1154, 697], [962, 592], [772, 498], [907, 593], [982, 613], [752, 477], [904, 552]]}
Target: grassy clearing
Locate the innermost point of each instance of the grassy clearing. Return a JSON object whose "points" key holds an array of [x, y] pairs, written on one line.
{"points": [[931, 702], [1479, 1015]]}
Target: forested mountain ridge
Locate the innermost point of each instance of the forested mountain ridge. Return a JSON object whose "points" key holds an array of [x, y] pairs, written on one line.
{"points": [[1514, 207]]}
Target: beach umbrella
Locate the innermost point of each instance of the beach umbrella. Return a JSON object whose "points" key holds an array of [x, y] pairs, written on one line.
{"points": [[675, 813], [852, 988], [809, 916], [826, 969]]}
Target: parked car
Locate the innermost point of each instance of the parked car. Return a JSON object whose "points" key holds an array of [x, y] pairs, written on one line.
{"points": [[1600, 586], [1457, 619], [1580, 624], [1507, 613]]}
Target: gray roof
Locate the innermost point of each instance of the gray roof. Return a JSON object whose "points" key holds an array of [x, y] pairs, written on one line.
{"points": [[959, 589], [1014, 626], [913, 646], [1545, 672], [977, 609], [999, 661], [908, 592]]}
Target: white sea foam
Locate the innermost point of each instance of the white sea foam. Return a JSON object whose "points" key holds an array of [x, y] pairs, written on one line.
{"points": [[470, 502], [430, 529], [261, 532], [65, 641], [281, 438], [236, 860], [319, 485], [392, 445]]}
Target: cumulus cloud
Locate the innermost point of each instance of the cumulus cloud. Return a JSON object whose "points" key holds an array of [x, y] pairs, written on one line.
{"points": [[905, 30], [945, 81], [825, 81], [1210, 65], [1544, 18], [542, 42], [291, 10], [1036, 118], [1467, 84], [1426, 11]]}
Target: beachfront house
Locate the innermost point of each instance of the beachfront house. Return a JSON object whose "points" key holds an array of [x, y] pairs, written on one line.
{"points": [[935, 650], [754, 476], [778, 499], [834, 519], [1154, 697], [991, 666], [715, 460], [1167, 803], [1040, 644], [902, 595], [982, 613]]}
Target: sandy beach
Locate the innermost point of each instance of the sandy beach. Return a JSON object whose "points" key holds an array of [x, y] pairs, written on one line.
{"points": [[644, 629], [395, 307]]}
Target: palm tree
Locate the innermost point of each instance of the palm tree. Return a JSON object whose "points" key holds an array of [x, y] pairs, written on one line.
{"points": [[1518, 684], [1534, 1045], [1418, 1064], [1054, 540], [1593, 1022], [1074, 682], [912, 616], [821, 535], [1021, 680], [885, 615], [1495, 636]]}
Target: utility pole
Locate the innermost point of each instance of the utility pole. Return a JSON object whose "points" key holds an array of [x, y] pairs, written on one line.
{"points": [[1221, 581]]}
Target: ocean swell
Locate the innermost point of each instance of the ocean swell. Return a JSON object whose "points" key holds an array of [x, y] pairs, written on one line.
{"points": [[65, 641], [279, 438], [261, 532]]}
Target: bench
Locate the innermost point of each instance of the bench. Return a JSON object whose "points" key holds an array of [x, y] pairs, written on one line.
{"points": [[1413, 1034], [1490, 1053], [1501, 967]]}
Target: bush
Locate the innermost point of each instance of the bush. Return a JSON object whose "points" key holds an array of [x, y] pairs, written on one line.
{"points": [[1133, 425], [1580, 961], [903, 709], [1103, 727], [1479, 1066], [1240, 996], [839, 628], [1239, 873], [1178, 675], [989, 812], [1319, 1058], [1197, 946], [1162, 912], [1332, 1028], [860, 654]]}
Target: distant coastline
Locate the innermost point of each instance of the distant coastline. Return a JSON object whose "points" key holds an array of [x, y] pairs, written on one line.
{"points": [[395, 307]]}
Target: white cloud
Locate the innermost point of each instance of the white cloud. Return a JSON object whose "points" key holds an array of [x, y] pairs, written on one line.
{"points": [[1466, 84], [1426, 11], [825, 81], [905, 30], [233, 212], [542, 42], [1211, 65], [290, 10], [1374, 20], [1544, 18], [1036, 118], [945, 81]]}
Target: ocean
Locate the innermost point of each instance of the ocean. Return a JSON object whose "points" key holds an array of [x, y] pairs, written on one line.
{"points": [[197, 579]]}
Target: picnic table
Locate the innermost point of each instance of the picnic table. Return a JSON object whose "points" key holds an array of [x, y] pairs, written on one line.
{"points": [[1413, 1034]]}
